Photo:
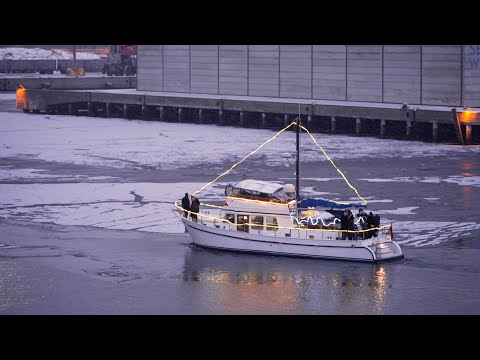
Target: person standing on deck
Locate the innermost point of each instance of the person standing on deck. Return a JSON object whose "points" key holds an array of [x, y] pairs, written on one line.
{"points": [[347, 224], [194, 208], [361, 223], [186, 205]]}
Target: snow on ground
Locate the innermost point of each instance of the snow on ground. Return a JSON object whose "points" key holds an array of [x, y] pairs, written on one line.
{"points": [[460, 180], [7, 96], [148, 207], [38, 174], [139, 206], [399, 211], [42, 54], [421, 233], [50, 76], [134, 143]]}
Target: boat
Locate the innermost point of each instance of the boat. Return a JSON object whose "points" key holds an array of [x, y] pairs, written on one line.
{"points": [[271, 218]]}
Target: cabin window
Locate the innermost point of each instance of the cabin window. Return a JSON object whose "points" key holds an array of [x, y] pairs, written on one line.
{"points": [[272, 223], [230, 217], [242, 223], [258, 221]]}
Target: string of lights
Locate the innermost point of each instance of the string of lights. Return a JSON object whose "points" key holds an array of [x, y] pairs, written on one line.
{"points": [[276, 226], [313, 221], [245, 158], [364, 202]]}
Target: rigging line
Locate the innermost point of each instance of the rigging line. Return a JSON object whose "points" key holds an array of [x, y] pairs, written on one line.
{"points": [[245, 158], [364, 202]]}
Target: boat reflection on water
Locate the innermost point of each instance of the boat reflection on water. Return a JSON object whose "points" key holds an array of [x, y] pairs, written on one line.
{"points": [[230, 283]]}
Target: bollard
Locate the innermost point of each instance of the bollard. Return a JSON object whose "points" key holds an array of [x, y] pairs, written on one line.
{"points": [[409, 128], [435, 131], [333, 122]]}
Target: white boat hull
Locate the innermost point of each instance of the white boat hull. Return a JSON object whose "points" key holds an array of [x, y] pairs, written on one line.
{"points": [[231, 240]]}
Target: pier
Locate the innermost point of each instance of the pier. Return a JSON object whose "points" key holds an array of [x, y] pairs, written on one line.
{"points": [[414, 122]]}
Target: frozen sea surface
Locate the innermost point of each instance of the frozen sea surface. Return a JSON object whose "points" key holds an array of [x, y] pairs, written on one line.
{"points": [[86, 217]]}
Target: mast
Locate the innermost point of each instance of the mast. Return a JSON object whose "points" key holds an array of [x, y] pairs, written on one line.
{"points": [[297, 169]]}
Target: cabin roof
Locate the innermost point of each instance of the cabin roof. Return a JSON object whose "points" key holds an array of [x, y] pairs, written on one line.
{"points": [[258, 185]]}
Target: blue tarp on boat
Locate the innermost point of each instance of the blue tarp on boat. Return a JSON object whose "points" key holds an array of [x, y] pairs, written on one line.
{"points": [[336, 213], [305, 203]]}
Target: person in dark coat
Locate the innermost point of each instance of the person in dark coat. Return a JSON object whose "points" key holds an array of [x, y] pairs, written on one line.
{"points": [[371, 221], [347, 224], [361, 223], [186, 205], [362, 217], [195, 208]]}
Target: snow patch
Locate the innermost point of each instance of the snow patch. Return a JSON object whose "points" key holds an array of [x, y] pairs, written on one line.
{"points": [[134, 144], [132, 206], [459, 180], [463, 180], [149, 207], [42, 54], [422, 233], [399, 211], [15, 174], [8, 96]]}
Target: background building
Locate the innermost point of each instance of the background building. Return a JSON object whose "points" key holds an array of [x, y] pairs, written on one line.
{"points": [[418, 74]]}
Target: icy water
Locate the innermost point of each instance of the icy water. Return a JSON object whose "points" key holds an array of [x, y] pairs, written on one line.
{"points": [[86, 225]]}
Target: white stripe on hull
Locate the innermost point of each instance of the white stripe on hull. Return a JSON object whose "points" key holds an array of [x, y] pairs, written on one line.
{"points": [[239, 241]]}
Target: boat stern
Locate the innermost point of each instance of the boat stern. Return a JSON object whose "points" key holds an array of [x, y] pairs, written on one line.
{"points": [[387, 250]]}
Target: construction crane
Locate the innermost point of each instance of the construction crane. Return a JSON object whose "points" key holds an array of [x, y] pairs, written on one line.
{"points": [[75, 70]]}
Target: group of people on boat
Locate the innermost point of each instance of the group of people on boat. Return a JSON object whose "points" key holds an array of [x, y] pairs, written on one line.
{"points": [[364, 222], [190, 205]]}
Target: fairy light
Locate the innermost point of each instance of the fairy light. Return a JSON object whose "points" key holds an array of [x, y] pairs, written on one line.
{"points": [[314, 221], [364, 202], [245, 158], [276, 226]]}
